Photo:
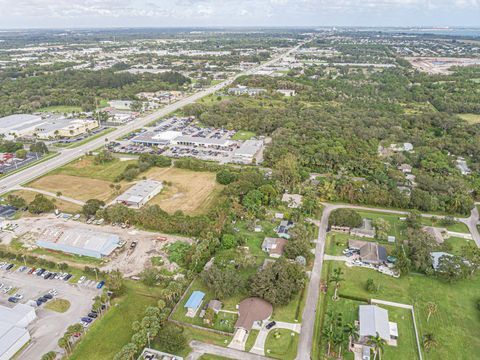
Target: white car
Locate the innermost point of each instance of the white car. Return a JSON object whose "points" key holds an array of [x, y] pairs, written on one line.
{"points": [[7, 289], [81, 280]]}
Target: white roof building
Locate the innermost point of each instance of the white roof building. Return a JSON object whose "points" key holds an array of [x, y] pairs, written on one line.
{"points": [[19, 125], [79, 241], [247, 151], [373, 320], [13, 329], [140, 193]]}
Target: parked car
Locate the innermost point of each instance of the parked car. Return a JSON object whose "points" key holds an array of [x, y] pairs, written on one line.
{"points": [[13, 299], [100, 284], [92, 315], [270, 325], [81, 280], [9, 266], [48, 296], [41, 300], [86, 319]]}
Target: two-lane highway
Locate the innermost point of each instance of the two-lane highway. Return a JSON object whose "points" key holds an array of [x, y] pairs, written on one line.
{"points": [[67, 155]]}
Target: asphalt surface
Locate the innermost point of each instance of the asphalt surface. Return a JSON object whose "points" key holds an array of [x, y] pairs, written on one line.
{"points": [[49, 325], [199, 349], [67, 155]]}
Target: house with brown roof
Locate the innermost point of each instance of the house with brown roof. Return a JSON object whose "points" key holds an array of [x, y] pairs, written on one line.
{"points": [[274, 246], [370, 252]]}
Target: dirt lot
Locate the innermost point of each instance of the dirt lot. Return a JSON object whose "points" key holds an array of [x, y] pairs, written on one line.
{"points": [[440, 65], [76, 187], [129, 261], [190, 191]]}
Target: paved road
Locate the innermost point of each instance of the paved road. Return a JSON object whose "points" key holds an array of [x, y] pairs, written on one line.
{"points": [[471, 223], [309, 313], [306, 338], [200, 348], [68, 155]]}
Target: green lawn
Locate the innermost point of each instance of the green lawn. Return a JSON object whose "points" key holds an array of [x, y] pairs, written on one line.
{"points": [[58, 305], [213, 357], [243, 135], [281, 344], [470, 118], [252, 336], [61, 109], [229, 304], [85, 167], [456, 244], [110, 333], [456, 323]]}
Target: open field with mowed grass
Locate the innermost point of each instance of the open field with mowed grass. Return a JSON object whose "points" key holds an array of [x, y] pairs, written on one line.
{"points": [[85, 167], [192, 192], [470, 118], [281, 344], [110, 333], [80, 188], [60, 204], [455, 325]]}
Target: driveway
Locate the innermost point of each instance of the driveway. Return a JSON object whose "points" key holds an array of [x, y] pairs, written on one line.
{"points": [[259, 346], [309, 312], [49, 325], [199, 349]]}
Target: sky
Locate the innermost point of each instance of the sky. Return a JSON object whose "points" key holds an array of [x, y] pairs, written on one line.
{"points": [[204, 13]]}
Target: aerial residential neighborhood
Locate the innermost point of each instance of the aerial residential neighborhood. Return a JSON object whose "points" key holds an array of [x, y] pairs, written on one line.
{"points": [[246, 191]]}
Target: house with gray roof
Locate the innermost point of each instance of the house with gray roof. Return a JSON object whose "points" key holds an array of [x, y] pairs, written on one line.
{"points": [[374, 320]]}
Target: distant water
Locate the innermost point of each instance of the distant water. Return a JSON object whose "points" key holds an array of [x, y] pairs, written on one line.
{"points": [[461, 32]]}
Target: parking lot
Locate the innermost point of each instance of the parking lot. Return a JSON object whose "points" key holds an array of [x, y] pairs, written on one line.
{"points": [[49, 325]]}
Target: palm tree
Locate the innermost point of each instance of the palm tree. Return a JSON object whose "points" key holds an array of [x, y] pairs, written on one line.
{"points": [[329, 335], [377, 342], [432, 309], [429, 342], [351, 330], [336, 278]]}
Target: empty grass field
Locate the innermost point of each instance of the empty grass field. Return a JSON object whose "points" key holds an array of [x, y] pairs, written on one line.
{"points": [[243, 135], [85, 167], [61, 205], [192, 192], [281, 344], [60, 109], [108, 334], [470, 118], [77, 187]]}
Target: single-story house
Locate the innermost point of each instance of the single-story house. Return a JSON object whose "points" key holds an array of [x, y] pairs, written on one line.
{"points": [[374, 320], [436, 233], [370, 252], [193, 303], [274, 246], [250, 311], [215, 305], [366, 230]]}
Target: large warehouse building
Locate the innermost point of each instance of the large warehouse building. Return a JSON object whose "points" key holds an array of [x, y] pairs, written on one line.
{"points": [[84, 242], [140, 193], [13, 329]]}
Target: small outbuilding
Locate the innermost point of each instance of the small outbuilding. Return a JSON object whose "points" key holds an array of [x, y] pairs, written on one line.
{"points": [[215, 305], [193, 303]]}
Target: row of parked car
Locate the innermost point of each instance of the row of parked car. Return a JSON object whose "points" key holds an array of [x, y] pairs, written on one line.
{"points": [[49, 296], [90, 317]]}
